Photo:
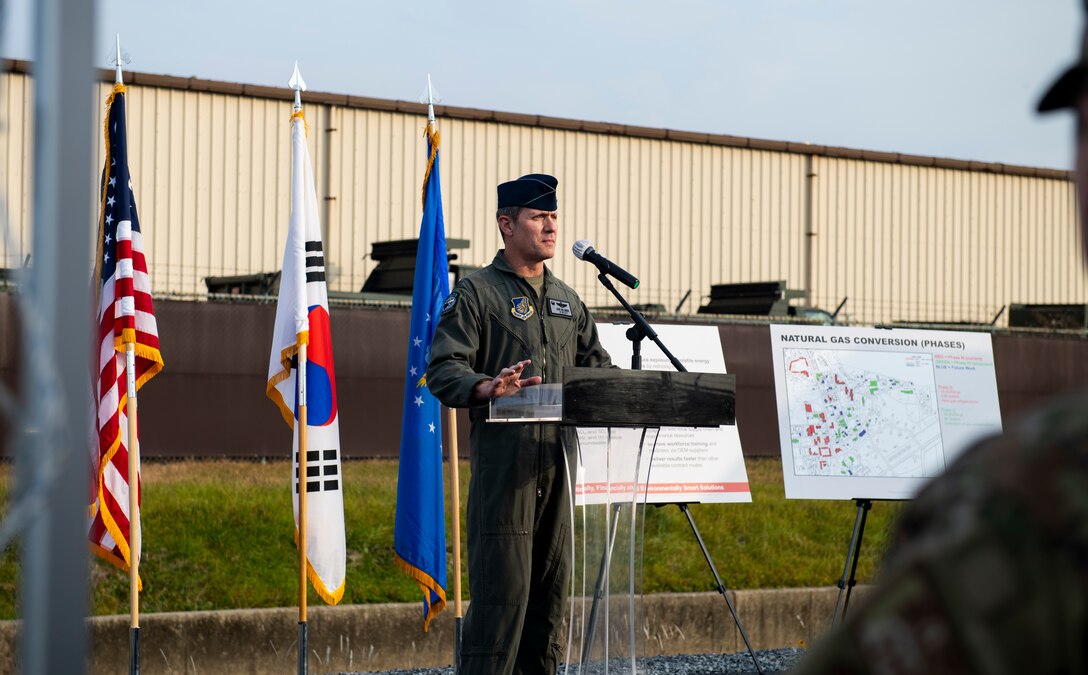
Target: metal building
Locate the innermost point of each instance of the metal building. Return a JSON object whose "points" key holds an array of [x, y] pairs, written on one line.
{"points": [[906, 238]]}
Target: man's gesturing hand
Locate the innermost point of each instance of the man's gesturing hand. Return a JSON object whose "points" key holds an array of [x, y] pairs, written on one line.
{"points": [[507, 382]]}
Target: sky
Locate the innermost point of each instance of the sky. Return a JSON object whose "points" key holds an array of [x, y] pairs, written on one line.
{"points": [[944, 78]]}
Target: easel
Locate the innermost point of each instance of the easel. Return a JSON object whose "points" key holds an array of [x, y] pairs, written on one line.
{"points": [[636, 334], [850, 568]]}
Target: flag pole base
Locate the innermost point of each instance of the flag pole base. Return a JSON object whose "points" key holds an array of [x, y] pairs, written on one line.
{"points": [[457, 645], [301, 648], [134, 651]]}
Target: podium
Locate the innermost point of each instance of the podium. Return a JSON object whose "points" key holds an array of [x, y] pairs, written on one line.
{"points": [[614, 416]]}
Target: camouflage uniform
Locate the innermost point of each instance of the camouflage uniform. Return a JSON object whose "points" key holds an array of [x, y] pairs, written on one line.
{"points": [[989, 569], [989, 573], [519, 496]]}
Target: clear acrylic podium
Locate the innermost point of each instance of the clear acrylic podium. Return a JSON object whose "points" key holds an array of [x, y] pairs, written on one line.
{"points": [[615, 415]]}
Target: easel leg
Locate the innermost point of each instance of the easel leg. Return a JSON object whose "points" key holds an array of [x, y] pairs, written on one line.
{"points": [[846, 584], [720, 585]]}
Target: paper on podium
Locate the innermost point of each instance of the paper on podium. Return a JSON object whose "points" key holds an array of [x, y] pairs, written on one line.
{"points": [[542, 403]]}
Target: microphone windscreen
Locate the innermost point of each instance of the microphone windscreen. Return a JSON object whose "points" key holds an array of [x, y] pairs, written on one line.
{"points": [[580, 247]]}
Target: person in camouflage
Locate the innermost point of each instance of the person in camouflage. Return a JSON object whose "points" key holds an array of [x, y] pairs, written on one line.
{"points": [[515, 311], [988, 570]]}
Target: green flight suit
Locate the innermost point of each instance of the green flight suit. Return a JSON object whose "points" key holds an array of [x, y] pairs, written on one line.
{"points": [[519, 555]]}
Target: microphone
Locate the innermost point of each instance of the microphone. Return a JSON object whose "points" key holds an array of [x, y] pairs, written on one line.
{"points": [[583, 250]]}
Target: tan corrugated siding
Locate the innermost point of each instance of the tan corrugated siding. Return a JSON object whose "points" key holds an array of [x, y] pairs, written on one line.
{"points": [[926, 244], [374, 167], [906, 238], [16, 141], [211, 175]]}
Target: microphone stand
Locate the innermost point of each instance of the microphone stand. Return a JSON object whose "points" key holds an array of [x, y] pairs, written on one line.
{"points": [[641, 322], [642, 329]]}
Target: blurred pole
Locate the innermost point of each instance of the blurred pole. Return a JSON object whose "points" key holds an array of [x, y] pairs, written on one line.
{"points": [[56, 386], [455, 506]]}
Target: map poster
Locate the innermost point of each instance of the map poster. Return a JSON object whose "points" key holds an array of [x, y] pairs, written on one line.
{"points": [[872, 413], [688, 465]]}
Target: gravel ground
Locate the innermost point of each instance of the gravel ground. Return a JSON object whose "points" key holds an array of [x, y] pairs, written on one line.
{"points": [[770, 660]]}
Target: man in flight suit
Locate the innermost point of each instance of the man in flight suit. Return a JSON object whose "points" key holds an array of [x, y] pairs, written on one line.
{"points": [[510, 325]]}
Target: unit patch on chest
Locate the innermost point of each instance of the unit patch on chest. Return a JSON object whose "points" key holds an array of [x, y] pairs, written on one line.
{"points": [[521, 309], [560, 308]]}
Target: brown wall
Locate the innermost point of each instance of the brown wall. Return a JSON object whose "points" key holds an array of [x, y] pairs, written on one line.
{"points": [[209, 401]]}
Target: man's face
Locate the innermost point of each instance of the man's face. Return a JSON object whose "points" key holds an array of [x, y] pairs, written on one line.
{"points": [[532, 236]]}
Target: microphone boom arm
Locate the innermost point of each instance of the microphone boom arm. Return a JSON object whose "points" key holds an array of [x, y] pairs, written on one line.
{"points": [[641, 322]]}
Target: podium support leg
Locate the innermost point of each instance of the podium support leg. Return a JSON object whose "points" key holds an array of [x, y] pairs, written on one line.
{"points": [[720, 585], [598, 592], [851, 566]]}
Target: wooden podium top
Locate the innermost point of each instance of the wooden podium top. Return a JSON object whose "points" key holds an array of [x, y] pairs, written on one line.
{"points": [[613, 397]]}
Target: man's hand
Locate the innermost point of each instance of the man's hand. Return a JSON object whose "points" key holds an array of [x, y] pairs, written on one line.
{"points": [[506, 383]]}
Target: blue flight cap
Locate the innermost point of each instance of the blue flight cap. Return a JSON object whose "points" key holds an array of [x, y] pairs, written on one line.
{"points": [[534, 191]]}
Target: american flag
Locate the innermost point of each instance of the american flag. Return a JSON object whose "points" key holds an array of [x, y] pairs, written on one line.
{"points": [[125, 315]]}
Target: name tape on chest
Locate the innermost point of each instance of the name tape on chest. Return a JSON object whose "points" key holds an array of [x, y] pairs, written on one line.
{"points": [[560, 308]]}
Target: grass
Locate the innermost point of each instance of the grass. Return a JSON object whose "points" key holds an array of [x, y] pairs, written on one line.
{"points": [[219, 535]]}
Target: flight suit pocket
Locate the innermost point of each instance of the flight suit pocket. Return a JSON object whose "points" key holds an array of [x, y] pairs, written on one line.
{"points": [[562, 329], [557, 563], [506, 337], [506, 566]]}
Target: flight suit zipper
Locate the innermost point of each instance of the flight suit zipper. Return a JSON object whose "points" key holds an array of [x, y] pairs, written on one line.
{"points": [[543, 325], [543, 332], [544, 352], [543, 374]]}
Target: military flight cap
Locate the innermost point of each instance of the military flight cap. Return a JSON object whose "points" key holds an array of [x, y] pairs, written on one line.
{"points": [[534, 191], [1065, 91]]}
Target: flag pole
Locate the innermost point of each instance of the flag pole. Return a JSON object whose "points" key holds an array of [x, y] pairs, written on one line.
{"points": [[296, 82], [455, 481], [455, 500], [133, 510], [302, 648], [133, 475]]}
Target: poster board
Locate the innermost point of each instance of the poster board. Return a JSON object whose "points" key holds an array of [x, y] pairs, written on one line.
{"points": [[689, 465], [875, 413]]}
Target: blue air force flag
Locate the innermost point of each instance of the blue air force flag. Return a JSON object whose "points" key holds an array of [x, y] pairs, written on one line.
{"points": [[419, 535]]}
